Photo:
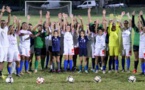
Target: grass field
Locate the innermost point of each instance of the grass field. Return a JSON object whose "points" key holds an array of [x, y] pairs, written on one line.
{"points": [[54, 81]]}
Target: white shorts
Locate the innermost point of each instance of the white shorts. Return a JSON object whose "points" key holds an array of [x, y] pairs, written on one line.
{"points": [[142, 53], [99, 52], [32, 49], [126, 52], [68, 50], [3, 54], [13, 55], [25, 51]]}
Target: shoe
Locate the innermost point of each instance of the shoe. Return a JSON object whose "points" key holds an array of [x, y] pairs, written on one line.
{"points": [[86, 71], [96, 71], [128, 71], [18, 75], [109, 71], [79, 71], [21, 73], [28, 72], [93, 70], [116, 71], [35, 71], [53, 71], [50, 70], [58, 70], [3, 77], [104, 72], [134, 71], [123, 70]]}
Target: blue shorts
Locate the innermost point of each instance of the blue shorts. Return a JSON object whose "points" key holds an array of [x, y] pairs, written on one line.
{"points": [[82, 52]]}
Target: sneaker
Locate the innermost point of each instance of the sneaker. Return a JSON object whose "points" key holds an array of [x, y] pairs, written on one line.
{"points": [[58, 70], [128, 71], [21, 73], [109, 71], [134, 71], [35, 71], [96, 71], [104, 72], [28, 72], [3, 77], [101, 68], [123, 70], [18, 75], [116, 71], [93, 70], [79, 71], [86, 71]]}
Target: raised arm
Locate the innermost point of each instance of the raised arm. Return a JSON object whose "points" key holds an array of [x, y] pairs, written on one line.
{"points": [[58, 27], [96, 26], [1, 14], [72, 21], [9, 15], [64, 22], [104, 15], [133, 20], [77, 31], [81, 20], [89, 16], [141, 15], [130, 23], [28, 19]]}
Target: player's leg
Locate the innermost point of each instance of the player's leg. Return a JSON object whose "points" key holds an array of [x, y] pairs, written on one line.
{"points": [[116, 52], [54, 61], [111, 53], [37, 58], [96, 54], [123, 60], [10, 60], [76, 50], [17, 59], [43, 55], [27, 56], [70, 57], [128, 54], [102, 55], [58, 61], [31, 58], [50, 57], [81, 60], [1, 62], [136, 55], [141, 56], [85, 60], [47, 59], [22, 52]]}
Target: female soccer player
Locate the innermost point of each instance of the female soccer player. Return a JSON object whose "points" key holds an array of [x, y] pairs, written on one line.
{"points": [[68, 44], [126, 44], [135, 42], [100, 47], [56, 46], [83, 39], [39, 42], [13, 52]]}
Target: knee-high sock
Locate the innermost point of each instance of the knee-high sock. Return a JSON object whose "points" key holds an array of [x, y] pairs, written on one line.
{"points": [[21, 65], [9, 68], [110, 63], [123, 63], [58, 65], [42, 63], [128, 63], [97, 67], [36, 64], [135, 64], [65, 65], [61, 60], [47, 61], [113, 63], [116, 64], [26, 65], [93, 63], [142, 67], [70, 64], [74, 60], [80, 67], [17, 70]]}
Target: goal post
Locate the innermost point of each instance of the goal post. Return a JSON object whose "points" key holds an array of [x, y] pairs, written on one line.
{"points": [[36, 5]]}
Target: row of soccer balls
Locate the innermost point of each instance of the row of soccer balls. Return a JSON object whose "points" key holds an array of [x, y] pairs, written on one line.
{"points": [[70, 79]]}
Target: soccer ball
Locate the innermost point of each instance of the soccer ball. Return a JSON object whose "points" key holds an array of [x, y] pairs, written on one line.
{"points": [[132, 79], [9, 79], [40, 80], [70, 79], [97, 79]]}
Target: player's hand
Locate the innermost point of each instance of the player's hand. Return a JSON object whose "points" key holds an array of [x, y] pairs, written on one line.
{"points": [[71, 16], [80, 17], [40, 12], [89, 10], [48, 14], [123, 13], [133, 13], [3, 9], [59, 15], [141, 13], [104, 12], [15, 19], [8, 9], [28, 17]]}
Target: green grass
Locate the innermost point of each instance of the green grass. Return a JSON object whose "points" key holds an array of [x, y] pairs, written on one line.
{"points": [[54, 81]]}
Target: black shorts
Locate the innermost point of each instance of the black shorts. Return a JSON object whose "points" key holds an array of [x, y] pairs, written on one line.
{"points": [[55, 53], [50, 49], [135, 48], [82, 52], [40, 51]]}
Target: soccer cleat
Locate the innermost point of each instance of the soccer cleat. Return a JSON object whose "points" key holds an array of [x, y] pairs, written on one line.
{"points": [[109, 71], [21, 73], [86, 71], [28, 72], [18, 75], [3, 77], [104, 72], [35, 71], [116, 71], [134, 71], [128, 71], [79, 71], [96, 71], [123, 70]]}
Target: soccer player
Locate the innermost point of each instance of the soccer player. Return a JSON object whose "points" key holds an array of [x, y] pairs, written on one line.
{"points": [[100, 47], [4, 42], [39, 42], [68, 45], [142, 42], [126, 44], [83, 39], [135, 42], [113, 31], [13, 52], [56, 46]]}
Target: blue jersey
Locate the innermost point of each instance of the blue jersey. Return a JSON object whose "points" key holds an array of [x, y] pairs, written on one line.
{"points": [[55, 43], [83, 42]]}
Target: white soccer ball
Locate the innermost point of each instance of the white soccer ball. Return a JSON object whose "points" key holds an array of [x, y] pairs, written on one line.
{"points": [[40, 80], [132, 79], [97, 79], [9, 79], [70, 79]]}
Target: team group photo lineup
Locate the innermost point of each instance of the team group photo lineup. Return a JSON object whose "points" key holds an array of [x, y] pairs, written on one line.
{"points": [[71, 44]]}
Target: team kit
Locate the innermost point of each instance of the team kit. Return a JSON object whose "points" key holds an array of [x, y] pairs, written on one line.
{"points": [[59, 45]]}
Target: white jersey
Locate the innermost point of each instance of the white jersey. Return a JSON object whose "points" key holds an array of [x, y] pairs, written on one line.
{"points": [[4, 37], [75, 39], [126, 36], [68, 39], [24, 41], [142, 40], [100, 41], [13, 41]]}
